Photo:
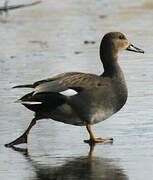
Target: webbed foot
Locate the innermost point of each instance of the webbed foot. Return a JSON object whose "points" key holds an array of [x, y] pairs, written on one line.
{"points": [[97, 140]]}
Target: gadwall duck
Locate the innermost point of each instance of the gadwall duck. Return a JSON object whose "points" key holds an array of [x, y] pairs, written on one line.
{"points": [[97, 98]]}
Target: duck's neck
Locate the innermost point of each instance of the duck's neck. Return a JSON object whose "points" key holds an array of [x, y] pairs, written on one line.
{"points": [[110, 62], [112, 70]]}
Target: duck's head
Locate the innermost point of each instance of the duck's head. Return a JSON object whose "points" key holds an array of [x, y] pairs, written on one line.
{"points": [[117, 41]]}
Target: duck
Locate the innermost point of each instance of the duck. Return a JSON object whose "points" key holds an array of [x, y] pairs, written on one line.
{"points": [[96, 98]]}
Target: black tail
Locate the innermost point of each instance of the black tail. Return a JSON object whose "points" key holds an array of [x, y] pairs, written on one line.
{"points": [[24, 86], [48, 101]]}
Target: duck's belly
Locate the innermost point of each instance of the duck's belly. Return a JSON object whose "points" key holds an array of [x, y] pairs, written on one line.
{"points": [[70, 120], [96, 117], [66, 115], [100, 115], [70, 117]]}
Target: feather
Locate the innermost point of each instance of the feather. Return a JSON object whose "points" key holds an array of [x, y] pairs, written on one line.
{"points": [[28, 102]]}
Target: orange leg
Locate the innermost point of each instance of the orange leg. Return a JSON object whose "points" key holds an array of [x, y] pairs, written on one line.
{"points": [[94, 140], [24, 137]]}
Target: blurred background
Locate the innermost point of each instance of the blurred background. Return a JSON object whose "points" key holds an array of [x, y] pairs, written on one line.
{"points": [[52, 37]]}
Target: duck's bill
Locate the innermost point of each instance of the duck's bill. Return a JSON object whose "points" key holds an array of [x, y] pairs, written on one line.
{"points": [[131, 47]]}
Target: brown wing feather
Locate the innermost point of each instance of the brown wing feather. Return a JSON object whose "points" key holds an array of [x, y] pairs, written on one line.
{"points": [[72, 80]]}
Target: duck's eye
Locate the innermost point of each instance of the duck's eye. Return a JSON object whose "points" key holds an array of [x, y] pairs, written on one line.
{"points": [[121, 37]]}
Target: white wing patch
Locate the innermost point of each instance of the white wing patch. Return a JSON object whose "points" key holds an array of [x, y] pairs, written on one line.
{"points": [[69, 92]]}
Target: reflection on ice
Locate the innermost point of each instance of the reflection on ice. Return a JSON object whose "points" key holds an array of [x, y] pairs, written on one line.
{"points": [[80, 168]]}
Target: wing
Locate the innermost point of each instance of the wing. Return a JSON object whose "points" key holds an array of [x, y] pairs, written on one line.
{"points": [[65, 81], [72, 80]]}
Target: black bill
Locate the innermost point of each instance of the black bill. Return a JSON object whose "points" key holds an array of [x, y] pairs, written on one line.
{"points": [[131, 47]]}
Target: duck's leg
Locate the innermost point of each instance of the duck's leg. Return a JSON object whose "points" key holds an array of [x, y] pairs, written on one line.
{"points": [[24, 137], [92, 139]]}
